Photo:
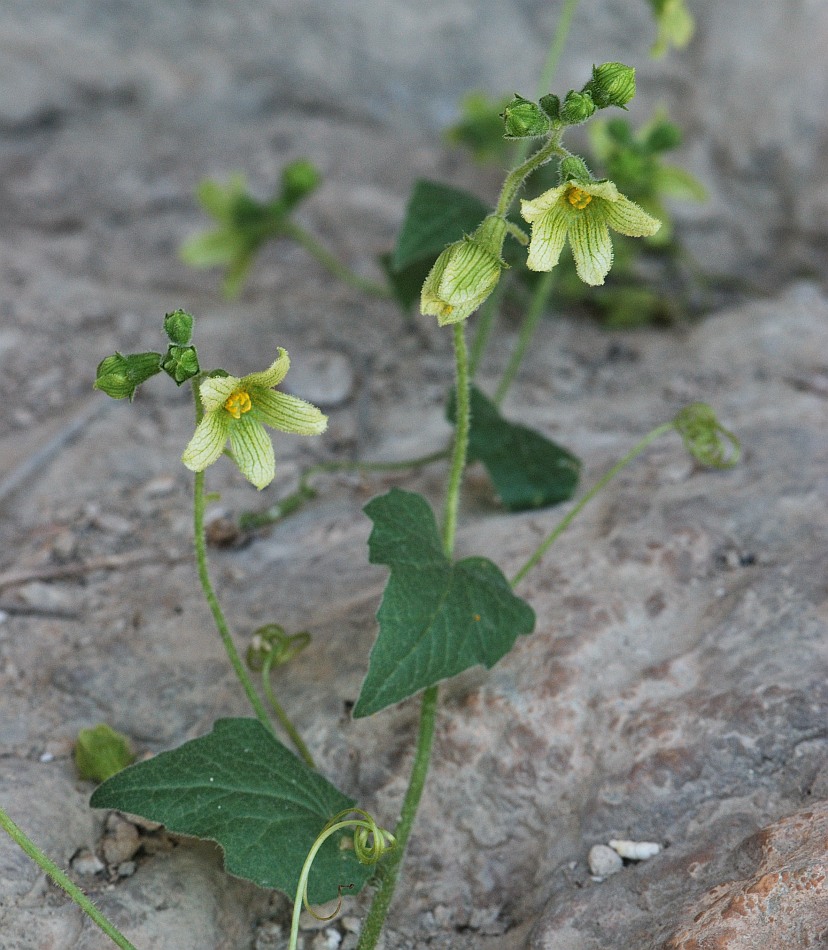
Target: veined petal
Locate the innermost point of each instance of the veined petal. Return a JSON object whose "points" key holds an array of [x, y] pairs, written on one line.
{"points": [[252, 451], [591, 247], [216, 390], [288, 413], [272, 376], [208, 441], [599, 189], [532, 209], [628, 218], [548, 237]]}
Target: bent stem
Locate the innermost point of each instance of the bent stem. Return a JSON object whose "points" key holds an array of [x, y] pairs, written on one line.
{"points": [[332, 263], [564, 523], [62, 880], [281, 715], [428, 710]]}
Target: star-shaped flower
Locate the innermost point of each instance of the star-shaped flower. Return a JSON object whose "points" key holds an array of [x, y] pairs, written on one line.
{"points": [[238, 409], [582, 211]]}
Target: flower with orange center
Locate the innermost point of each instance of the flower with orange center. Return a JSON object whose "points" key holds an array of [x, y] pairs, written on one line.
{"points": [[238, 409], [582, 211]]}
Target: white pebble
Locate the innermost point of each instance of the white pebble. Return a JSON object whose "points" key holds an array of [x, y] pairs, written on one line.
{"points": [[603, 861], [635, 850]]}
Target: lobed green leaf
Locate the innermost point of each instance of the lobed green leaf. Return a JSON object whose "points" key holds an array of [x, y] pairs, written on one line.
{"points": [[240, 787], [437, 618]]}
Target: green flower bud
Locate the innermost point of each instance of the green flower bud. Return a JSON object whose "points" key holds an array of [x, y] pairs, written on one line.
{"points": [[299, 179], [102, 752], [577, 107], [180, 363], [705, 438], [573, 168], [524, 119], [178, 326], [612, 84], [119, 376], [551, 105], [465, 273]]}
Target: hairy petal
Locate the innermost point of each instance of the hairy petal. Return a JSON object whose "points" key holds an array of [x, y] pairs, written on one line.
{"points": [[548, 237], [591, 248], [288, 413], [252, 451], [628, 218], [208, 441], [216, 390], [272, 376]]}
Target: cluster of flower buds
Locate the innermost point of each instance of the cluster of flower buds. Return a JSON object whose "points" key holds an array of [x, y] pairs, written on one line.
{"points": [[612, 84]]}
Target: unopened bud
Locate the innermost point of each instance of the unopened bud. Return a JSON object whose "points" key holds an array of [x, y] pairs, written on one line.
{"points": [[577, 107], [299, 179], [551, 105], [573, 168], [465, 274], [178, 326], [612, 84], [119, 376], [524, 119]]}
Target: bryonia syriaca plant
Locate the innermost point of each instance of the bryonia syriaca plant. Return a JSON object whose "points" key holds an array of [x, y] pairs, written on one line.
{"points": [[278, 821]]}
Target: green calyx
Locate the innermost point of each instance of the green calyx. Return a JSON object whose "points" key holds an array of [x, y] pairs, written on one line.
{"points": [[180, 363], [101, 752], [119, 376], [573, 168], [525, 119]]}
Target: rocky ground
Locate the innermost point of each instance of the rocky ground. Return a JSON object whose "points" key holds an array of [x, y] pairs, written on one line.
{"points": [[674, 688]]}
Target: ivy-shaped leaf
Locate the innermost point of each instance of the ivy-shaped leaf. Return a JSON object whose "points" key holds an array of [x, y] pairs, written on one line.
{"points": [[527, 469], [437, 618], [240, 787]]}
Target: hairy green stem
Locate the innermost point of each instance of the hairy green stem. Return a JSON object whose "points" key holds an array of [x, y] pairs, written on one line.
{"points": [[564, 523], [281, 715], [516, 177], [306, 240], [534, 312], [389, 871], [62, 880], [215, 607], [207, 587]]}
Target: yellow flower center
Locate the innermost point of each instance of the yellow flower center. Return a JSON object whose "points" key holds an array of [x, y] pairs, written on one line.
{"points": [[238, 403], [577, 198]]}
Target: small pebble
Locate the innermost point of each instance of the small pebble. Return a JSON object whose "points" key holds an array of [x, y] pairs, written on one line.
{"points": [[603, 861], [121, 840], [87, 863], [159, 487], [126, 868], [635, 850], [323, 377]]}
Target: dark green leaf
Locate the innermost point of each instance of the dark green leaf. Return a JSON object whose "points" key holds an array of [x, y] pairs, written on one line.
{"points": [[240, 787], [436, 618], [436, 215], [407, 283], [527, 469]]}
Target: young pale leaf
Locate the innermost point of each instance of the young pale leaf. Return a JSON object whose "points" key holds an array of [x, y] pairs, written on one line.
{"points": [[436, 216], [240, 787], [527, 469], [436, 618]]}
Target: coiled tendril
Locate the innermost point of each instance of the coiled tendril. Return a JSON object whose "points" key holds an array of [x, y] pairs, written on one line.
{"points": [[370, 844], [705, 438]]}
